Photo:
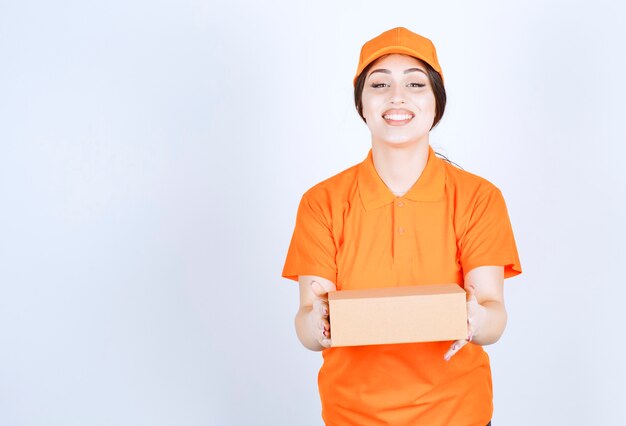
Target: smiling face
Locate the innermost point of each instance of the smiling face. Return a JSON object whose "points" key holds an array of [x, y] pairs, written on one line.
{"points": [[398, 100]]}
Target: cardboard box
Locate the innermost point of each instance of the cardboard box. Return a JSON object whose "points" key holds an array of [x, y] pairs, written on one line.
{"points": [[424, 313]]}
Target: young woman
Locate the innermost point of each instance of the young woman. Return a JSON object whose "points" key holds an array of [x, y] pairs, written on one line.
{"points": [[403, 216]]}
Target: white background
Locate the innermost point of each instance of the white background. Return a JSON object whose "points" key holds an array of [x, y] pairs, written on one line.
{"points": [[153, 154]]}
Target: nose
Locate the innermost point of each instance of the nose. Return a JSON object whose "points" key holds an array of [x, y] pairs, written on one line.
{"points": [[397, 96]]}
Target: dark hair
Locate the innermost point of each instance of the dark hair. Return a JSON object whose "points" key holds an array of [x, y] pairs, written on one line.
{"points": [[436, 82]]}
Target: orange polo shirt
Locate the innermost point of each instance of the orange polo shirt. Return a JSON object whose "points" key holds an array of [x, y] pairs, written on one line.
{"points": [[353, 231]]}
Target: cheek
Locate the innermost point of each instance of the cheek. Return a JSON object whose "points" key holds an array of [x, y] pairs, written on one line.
{"points": [[369, 106], [427, 105]]}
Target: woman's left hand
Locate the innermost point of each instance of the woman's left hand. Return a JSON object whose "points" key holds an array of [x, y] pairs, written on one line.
{"points": [[475, 314]]}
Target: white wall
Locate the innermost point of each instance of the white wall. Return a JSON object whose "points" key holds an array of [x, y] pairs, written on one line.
{"points": [[152, 156]]}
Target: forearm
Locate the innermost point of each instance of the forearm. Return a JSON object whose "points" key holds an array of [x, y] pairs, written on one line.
{"points": [[304, 329], [491, 323]]}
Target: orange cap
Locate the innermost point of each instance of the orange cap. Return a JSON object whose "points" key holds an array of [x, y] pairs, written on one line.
{"points": [[398, 40]]}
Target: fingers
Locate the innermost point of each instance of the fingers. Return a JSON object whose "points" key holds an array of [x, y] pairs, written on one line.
{"points": [[470, 290], [320, 314], [321, 329], [325, 330], [456, 346], [320, 307], [471, 304], [474, 313]]}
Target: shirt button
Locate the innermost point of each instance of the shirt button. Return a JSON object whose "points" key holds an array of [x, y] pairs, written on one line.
{"points": [[401, 230], [400, 204]]}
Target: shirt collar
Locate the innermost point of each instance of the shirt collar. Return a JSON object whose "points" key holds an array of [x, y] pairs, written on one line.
{"points": [[429, 187]]}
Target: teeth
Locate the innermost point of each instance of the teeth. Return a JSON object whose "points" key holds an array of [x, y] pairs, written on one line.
{"points": [[397, 117]]}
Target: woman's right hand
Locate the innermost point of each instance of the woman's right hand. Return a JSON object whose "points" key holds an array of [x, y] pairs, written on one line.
{"points": [[313, 318], [320, 314]]}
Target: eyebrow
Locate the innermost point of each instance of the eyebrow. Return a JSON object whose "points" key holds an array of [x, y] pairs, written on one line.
{"points": [[386, 71]]}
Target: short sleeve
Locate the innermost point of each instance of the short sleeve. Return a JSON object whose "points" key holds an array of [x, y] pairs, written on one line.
{"points": [[312, 250], [488, 239]]}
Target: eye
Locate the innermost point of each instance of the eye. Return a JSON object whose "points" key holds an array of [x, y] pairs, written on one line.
{"points": [[416, 85], [379, 85]]}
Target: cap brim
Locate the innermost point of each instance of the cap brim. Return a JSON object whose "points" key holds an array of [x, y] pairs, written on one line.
{"points": [[395, 49]]}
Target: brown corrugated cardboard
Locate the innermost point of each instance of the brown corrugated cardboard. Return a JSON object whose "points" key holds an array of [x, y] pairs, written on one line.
{"points": [[424, 313]]}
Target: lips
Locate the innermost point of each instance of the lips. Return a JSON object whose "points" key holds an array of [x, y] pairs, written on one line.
{"points": [[398, 117]]}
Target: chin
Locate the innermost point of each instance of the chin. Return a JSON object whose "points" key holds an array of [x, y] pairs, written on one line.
{"points": [[403, 140], [398, 141], [400, 136]]}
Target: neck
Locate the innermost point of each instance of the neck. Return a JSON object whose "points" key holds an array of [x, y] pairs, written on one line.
{"points": [[400, 166]]}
